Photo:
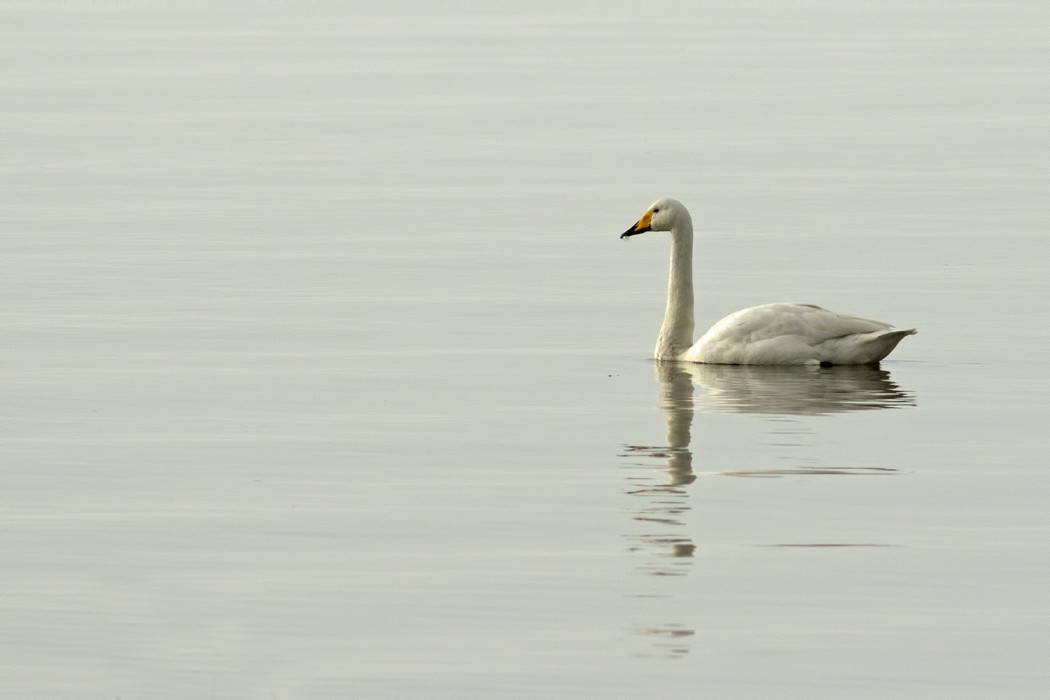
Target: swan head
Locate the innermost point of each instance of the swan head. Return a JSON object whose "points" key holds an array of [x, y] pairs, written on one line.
{"points": [[663, 215]]}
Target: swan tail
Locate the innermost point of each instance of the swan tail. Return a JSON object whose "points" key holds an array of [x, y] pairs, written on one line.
{"points": [[885, 341], [860, 348]]}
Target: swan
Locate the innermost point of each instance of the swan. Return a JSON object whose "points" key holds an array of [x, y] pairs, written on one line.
{"points": [[770, 334]]}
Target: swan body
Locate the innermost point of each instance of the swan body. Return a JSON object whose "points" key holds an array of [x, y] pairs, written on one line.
{"points": [[770, 334]]}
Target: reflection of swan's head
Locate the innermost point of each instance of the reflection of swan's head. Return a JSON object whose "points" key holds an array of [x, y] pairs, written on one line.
{"points": [[664, 215]]}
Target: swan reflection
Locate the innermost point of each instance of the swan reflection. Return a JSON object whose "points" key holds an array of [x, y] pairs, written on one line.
{"points": [[659, 476], [800, 391]]}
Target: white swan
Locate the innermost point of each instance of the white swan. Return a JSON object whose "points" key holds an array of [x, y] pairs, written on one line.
{"points": [[771, 334]]}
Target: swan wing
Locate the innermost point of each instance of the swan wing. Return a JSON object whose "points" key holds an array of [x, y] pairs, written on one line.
{"points": [[794, 334]]}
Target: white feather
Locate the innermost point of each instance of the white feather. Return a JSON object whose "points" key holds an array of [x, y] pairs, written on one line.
{"points": [[771, 334]]}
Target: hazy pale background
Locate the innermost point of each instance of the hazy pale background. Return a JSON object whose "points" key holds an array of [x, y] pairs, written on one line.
{"points": [[324, 374]]}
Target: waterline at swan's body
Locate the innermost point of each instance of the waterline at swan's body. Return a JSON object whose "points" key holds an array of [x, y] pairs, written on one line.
{"points": [[771, 334]]}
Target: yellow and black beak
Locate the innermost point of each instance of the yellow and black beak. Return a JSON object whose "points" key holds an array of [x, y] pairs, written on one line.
{"points": [[644, 224]]}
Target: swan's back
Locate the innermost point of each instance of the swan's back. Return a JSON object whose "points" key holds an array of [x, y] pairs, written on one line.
{"points": [[791, 334]]}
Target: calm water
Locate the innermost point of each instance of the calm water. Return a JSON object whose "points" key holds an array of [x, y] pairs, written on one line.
{"points": [[324, 373]]}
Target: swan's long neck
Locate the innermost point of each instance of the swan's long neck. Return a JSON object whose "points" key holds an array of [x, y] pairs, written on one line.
{"points": [[676, 334]]}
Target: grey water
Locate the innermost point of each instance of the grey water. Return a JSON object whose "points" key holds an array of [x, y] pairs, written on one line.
{"points": [[324, 373]]}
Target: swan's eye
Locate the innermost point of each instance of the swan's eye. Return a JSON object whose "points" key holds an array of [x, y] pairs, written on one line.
{"points": [[656, 210]]}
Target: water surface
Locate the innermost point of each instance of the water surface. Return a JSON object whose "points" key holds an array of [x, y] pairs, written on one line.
{"points": [[325, 374]]}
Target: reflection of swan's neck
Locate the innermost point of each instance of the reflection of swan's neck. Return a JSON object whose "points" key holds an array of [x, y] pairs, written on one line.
{"points": [[676, 335]]}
